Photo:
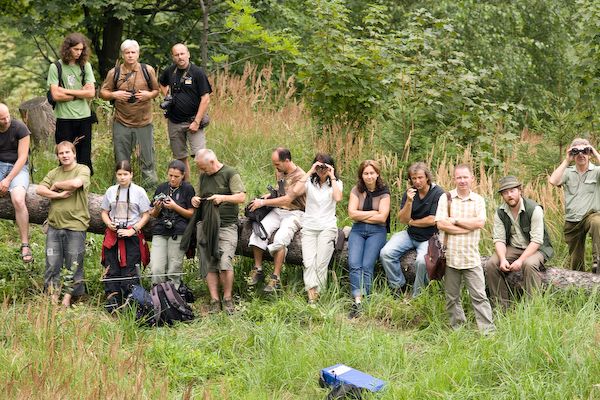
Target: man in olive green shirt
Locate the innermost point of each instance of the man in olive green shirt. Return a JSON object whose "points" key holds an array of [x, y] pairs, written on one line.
{"points": [[521, 242], [223, 186], [68, 219], [582, 200]]}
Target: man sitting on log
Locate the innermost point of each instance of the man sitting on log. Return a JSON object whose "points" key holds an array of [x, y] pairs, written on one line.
{"points": [[582, 200], [417, 211], [285, 217], [521, 242], [14, 173]]}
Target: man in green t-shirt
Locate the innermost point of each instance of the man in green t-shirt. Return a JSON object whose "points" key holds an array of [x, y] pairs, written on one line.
{"points": [[68, 219], [71, 91], [223, 186]]}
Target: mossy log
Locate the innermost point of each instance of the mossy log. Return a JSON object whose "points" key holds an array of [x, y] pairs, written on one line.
{"points": [[38, 212]]}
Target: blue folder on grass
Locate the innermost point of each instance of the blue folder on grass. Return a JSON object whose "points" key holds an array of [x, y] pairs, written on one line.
{"points": [[341, 373]]}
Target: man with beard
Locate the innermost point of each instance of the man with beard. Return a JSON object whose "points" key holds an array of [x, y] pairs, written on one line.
{"points": [[417, 211], [521, 242], [285, 217], [582, 200]]}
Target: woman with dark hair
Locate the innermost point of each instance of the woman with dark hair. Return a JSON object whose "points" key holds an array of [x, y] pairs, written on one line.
{"points": [[319, 225], [70, 91], [125, 211], [369, 208], [172, 208]]}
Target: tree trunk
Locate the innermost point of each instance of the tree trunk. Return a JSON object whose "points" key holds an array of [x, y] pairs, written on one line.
{"points": [[37, 114], [111, 44], [205, 5], [38, 212]]}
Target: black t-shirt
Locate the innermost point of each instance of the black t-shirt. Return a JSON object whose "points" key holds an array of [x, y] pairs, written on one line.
{"points": [[422, 208], [183, 197], [187, 87], [9, 141]]}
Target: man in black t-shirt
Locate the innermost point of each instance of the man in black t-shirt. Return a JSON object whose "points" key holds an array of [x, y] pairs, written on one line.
{"points": [[14, 173], [190, 91], [417, 211]]}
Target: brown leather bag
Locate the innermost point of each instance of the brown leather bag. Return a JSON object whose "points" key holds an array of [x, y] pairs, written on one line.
{"points": [[435, 259]]}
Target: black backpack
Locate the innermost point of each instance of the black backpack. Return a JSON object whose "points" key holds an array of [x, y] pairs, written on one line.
{"points": [[51, 100], [256, 216], [169, 306]]}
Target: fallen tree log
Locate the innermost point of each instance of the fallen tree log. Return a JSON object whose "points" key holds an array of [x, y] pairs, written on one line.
{"points": [[38, 212]]}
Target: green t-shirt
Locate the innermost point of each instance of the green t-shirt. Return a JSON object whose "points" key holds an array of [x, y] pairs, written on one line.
{"points": [[224, 181], [71, 77], [71, 213]]}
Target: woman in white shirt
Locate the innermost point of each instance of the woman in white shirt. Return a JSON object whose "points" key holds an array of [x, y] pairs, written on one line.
{"points": [[319, 224]]}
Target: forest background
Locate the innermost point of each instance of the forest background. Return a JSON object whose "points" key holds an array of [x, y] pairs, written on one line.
{"points": [[502, 85]]}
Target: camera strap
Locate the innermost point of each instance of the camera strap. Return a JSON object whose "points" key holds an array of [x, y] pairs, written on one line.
{"points": [[181, 79], [117, 201]]}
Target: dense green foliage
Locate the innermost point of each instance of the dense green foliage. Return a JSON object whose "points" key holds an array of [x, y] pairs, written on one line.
{"points": [[431, 77]]}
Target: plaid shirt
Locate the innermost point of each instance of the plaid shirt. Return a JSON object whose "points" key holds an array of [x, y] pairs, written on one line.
{"points": [[463, 250]]}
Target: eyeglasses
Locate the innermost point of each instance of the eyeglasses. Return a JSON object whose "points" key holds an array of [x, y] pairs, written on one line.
{"points": [[586, 150]]}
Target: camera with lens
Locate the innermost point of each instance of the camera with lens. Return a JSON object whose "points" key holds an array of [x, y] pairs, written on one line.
{"points": [[122, 225], [131, 98], [168, 223], [160, 197], [166, 104], [585, 150]]}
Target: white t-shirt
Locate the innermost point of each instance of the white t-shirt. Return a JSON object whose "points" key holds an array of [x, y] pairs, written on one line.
{"points": [[138, 204], [319, 212]]}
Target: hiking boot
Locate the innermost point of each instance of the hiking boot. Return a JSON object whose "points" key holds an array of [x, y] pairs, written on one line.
{"points": [[355, 311], [273, 285], [256, 275], [214, 307], [228, 306]]}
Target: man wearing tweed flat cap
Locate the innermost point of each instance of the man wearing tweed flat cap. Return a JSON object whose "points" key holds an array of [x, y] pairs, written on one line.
{"points": [[521, 242]]}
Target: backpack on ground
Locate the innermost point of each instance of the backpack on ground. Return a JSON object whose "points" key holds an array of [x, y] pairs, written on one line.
{"points": [[144, 308], [169, 306]]}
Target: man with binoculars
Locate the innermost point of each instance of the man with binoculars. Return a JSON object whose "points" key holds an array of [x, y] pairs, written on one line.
{"points": [[131, 87], [582, 200]]}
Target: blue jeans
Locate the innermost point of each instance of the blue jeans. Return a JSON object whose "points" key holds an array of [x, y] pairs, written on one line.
{"points": [[364, 243], [390, 257], [64, 248]]}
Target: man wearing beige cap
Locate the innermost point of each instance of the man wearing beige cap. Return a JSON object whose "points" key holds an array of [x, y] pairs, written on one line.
{"points": [[521, 241]]}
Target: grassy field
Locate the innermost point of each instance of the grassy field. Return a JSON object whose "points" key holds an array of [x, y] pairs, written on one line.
{"points": [[273, 348]]}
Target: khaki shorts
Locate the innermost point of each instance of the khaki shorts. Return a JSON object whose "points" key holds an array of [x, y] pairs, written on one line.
{"points": [[180, 136], [228, 238]]}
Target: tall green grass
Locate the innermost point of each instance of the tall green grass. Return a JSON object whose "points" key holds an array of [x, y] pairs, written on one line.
{"points": [[545, 348]]}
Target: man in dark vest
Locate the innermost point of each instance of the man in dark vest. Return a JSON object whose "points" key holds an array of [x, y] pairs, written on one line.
{"points": [[521, 241]]}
